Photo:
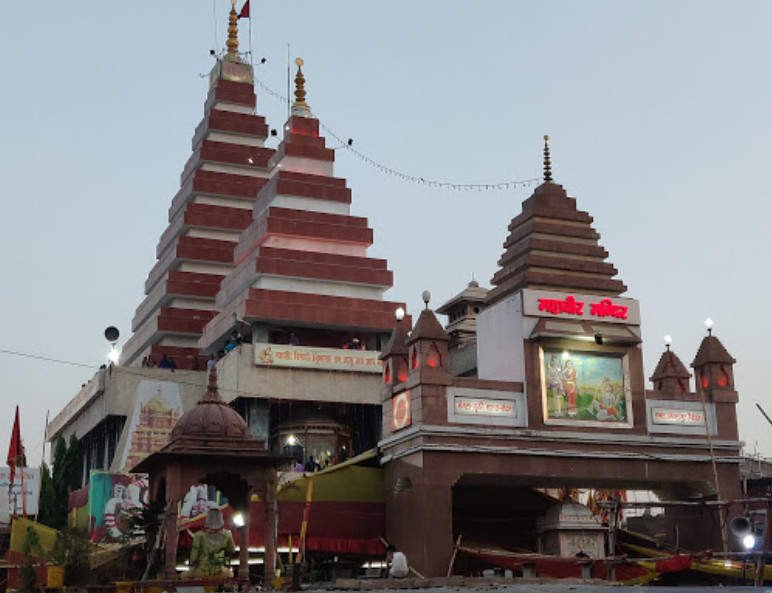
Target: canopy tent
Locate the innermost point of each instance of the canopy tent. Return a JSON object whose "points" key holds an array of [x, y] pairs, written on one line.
{"points": [[346, 515]]}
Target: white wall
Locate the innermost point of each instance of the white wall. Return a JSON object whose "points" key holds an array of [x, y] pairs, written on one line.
{"points": [[500, 341]]}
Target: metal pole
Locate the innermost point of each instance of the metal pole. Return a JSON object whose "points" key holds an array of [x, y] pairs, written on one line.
{"points": [[761, 561], [612, 541], [289, 111], [722, 513], [244, 552]]}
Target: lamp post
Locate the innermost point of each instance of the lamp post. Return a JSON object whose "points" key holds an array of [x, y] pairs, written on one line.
{"points": [[111, 335], [241, 521]]}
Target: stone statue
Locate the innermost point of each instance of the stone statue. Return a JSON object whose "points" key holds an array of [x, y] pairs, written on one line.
{"points": [[212, 547]]}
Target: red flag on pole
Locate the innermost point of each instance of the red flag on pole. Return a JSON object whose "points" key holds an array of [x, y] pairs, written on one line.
{"points": [[244, 14], [15, 450]]}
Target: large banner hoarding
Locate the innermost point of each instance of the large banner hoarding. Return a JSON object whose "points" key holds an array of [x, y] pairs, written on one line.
{"points": [[114, 501], [12, 501]]}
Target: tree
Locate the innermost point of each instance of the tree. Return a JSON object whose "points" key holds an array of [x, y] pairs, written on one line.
{"points": [[31, 550], [47, 514], [72, 466], [71, 551], [57, 483]]}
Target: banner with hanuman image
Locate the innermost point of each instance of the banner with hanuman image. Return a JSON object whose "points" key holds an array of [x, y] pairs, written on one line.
{"points": [[583, 386], [114, 502]]}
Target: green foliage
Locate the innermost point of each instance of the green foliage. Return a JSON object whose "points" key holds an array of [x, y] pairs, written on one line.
{"points": [[56, 484], [28, 578], [60, 454], [47, 514], [30, 548], [149, 521], [149, 518], [72, 465], [71, 550]]}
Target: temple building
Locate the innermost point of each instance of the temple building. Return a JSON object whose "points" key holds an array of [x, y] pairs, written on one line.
{"points": [[263, 268], [558, 402], [534, 385]]}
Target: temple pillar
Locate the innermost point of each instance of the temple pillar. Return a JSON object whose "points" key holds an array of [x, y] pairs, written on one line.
{"points": [[269, 496], [244, 553], [437, 530], [172, 538], [419, 514]]}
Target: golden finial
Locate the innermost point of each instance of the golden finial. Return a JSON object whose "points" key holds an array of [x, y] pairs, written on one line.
{"points": [[300, 107], [547, 164], [233, 33]]}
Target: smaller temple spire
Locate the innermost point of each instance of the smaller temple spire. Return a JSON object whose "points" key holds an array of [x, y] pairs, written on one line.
{"points": [[671, 375], [300, 107], [212, 394], [547, 164], [233, 33]]}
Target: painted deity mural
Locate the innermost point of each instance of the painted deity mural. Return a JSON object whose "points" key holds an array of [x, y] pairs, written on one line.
{"points": [[157, 408], [114, 501], [583, 386]]}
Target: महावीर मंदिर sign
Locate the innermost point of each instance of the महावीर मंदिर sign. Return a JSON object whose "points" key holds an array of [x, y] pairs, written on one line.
{"points": [[307, 357], [678, 417], [472, 406], [603, 308], [540, 303]]}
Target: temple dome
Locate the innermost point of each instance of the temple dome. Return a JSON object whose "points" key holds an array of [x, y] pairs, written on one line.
{"points": [[211, 417]]}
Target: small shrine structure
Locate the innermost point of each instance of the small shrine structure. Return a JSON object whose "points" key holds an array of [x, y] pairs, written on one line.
{"points": [[571, 529], [211, 444]]}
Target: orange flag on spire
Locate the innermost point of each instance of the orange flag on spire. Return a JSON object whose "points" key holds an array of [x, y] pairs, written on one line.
{"points": [[15, 450], [244, 14]]}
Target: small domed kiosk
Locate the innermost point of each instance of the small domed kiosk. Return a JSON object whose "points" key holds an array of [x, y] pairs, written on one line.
{"points": [[211, 444]]}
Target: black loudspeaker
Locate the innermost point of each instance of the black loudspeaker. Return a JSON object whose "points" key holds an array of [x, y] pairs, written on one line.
{"points": [[112, 334]]}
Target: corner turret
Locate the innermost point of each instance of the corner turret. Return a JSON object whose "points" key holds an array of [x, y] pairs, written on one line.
{"points": [[714, 370], [394, 355], [428, 343], [671, 376]]}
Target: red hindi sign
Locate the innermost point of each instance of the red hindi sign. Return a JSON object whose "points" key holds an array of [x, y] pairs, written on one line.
{"points": [[539, 303]]}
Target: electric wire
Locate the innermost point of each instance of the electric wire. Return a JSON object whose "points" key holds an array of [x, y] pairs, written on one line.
{"points": [[135, 371], [435, 183]]}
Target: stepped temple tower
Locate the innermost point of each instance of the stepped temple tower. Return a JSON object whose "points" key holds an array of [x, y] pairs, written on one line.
{"points": [[218, 188], [264, 269]]}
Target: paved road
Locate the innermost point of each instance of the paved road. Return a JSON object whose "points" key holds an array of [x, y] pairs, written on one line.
{"points": [[579, 588]]}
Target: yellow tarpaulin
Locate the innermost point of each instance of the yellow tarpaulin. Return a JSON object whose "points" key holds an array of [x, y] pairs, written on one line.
{"points": [[46, 536], [345, 482]]}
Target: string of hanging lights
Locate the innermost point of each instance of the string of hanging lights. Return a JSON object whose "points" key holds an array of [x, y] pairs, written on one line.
{"points": [[348, 145]]}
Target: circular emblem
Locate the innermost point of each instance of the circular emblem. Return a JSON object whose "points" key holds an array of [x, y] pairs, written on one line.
{"points": [[400, 415]]}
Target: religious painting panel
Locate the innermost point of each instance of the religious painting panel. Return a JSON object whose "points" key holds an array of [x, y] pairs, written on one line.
{"points": [[115, 501], [198, 500], [157, 407], [585, 388]]}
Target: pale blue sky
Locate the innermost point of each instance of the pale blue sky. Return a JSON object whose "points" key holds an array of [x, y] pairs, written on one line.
{"points": [[659, 113]]}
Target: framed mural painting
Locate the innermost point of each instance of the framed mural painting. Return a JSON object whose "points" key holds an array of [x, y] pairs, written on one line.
{"points": [[585, 388]]}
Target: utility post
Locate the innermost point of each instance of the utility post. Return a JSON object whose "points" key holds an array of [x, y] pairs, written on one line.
{"points": [[761, 555]]}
